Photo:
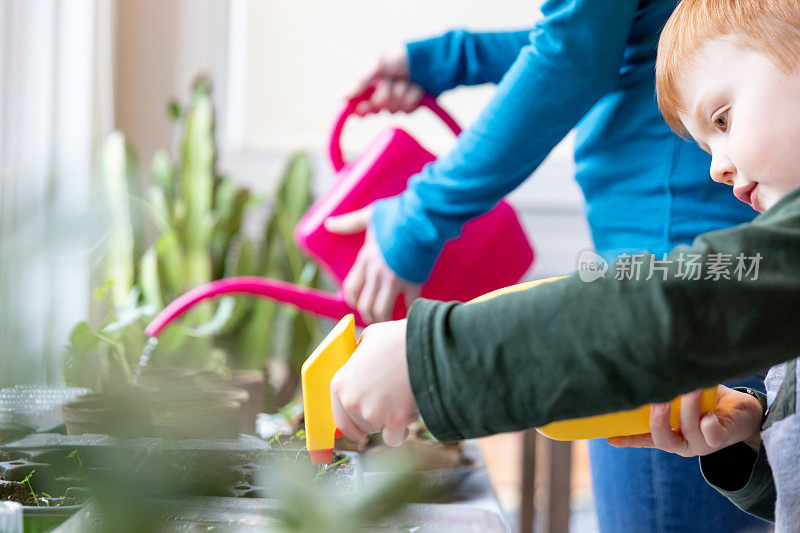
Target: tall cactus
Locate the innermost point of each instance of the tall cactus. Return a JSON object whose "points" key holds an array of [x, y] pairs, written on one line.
{"points": [[197, 178], [199, 218], [119, 168]]}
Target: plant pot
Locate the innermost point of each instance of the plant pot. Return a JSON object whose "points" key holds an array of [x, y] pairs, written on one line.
{"points": [[168, 377], [188, 403], [197, 419], [122, 414], [255, 383], [252, 381]]}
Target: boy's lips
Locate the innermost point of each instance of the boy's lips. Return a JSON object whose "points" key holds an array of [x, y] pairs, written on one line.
{"points": [[749, 195]]}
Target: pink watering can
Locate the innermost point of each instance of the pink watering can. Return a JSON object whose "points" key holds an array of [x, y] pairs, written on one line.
{"points": [[491, 252]]}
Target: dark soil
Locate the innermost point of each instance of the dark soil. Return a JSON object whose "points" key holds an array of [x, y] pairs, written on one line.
{"points": [[421, 449], [162, 472], [16, 492]]}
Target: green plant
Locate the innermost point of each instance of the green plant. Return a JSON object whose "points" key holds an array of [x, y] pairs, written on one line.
{"points": [[27, 481], [75, 457], [197, 217], [323, 469]]}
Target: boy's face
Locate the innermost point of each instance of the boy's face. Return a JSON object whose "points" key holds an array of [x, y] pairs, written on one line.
{"points": [[745, 111]]}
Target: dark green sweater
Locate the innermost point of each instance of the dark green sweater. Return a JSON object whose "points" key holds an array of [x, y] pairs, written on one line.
{"points": [[570, 348]]}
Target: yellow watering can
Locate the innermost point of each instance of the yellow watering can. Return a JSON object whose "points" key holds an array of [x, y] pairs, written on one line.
{"points": [[340, 343]]}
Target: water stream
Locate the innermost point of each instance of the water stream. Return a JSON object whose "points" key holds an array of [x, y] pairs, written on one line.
{"points": [[145, 358]]}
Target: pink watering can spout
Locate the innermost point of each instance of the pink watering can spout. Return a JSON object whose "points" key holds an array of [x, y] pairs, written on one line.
{"points": [[491, 252], [312, 300]]}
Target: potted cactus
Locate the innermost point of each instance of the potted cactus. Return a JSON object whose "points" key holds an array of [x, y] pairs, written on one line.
{"points": [[196, 220]]}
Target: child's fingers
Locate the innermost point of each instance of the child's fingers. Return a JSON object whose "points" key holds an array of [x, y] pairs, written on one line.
{"points": [[383, 91], [661, 430], [384, 301], [411, 98], [354, 281], [363, 108], [737, 416], [690, 421], [349, 223], [394, 436], [397, 89], [369, 291], [343, 420], [713, 431]]}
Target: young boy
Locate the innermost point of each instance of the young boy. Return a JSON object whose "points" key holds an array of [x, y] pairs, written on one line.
{"points": [[650, 328], [736, 440]]}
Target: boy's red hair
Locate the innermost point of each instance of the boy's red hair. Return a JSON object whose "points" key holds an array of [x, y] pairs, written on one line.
{"points": [[770, 27]]}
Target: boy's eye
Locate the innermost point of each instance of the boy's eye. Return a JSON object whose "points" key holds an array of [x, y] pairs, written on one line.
{"points": [[721, 121]]}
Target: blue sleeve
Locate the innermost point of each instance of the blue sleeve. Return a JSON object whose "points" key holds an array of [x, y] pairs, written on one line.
{"points": [[572, 60], [460, 57]]}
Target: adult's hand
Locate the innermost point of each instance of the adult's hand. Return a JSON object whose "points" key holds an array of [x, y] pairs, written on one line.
{"points": [[394, 90], [736, 418], [371, 287], [372, 392]]}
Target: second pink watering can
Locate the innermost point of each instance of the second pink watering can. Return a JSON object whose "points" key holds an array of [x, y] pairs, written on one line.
{"points": [[491, 252]]}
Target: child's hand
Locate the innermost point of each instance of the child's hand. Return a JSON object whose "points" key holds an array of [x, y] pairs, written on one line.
{"points": [[736, 418], [371, 286], [394, 90], [372, 391]]}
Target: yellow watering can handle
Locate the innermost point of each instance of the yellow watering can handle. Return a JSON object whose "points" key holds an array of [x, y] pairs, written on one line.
{"points": [[624, 423], [633, 422]]}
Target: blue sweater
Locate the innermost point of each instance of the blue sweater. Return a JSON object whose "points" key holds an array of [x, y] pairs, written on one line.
{"points": [[589, 65]]}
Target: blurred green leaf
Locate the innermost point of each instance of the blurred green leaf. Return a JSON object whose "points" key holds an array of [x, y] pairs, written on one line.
{"points": [[118, 168], [160, 211], [128, 317], [170, 255], [150, 280], [217, 323], [163, 173]]}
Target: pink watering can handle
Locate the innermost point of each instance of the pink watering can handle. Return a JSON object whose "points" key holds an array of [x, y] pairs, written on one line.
{"points": [[335, 148]]}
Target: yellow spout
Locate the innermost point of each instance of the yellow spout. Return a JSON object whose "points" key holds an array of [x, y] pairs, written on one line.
{"points": [[316, 376]]}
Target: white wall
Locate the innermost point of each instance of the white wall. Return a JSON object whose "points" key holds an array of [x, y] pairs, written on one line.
{"points": [[302, 55], [161, 47]]}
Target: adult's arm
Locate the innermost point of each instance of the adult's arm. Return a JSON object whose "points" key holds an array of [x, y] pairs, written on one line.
{"points": [[570, 348], [461, 57], [573, 59]]}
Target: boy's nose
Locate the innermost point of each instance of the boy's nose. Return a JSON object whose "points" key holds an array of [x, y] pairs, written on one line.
{"points": [[722, 170]]}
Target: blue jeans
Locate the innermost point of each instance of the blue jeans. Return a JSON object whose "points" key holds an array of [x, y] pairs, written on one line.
{"points": [[650, 491]]}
